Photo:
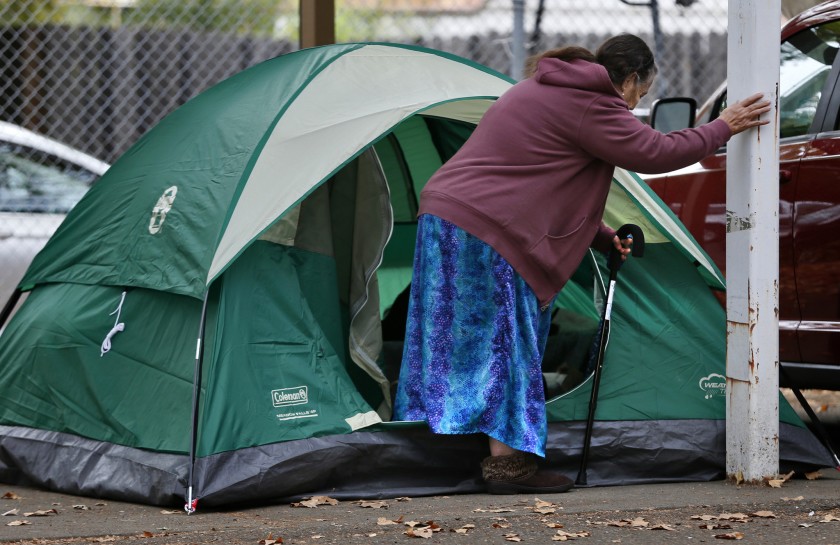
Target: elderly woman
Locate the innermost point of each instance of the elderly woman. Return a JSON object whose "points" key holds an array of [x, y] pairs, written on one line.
{"points": [[502, 226]]}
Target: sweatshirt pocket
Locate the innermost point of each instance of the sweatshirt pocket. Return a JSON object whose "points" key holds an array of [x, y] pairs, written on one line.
{"points": [[550, 251]]}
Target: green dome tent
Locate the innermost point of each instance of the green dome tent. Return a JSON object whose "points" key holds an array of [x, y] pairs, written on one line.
{"points": [[207, 321]]}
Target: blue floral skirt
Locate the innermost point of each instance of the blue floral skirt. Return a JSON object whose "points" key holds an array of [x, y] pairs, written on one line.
{"points": [[472, 361]]}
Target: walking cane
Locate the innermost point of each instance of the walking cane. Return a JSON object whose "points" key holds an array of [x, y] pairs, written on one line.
{"points": [[614, 261]]}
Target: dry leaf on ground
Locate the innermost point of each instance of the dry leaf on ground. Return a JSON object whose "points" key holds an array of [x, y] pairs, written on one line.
{"points": [[10, 496], [734, 517], [764, 514], [667, 527], [797, 498], [554, 525], [315, 501], [830, 518], [424, 532], [813, 475], [18, 523], [715, 527], [372, 504], [731, 535], [171, 512], [270, 540], [402, 498], [513, 537], [382, 521], [567, 536], [465, 529], [779, 480], [11, 512], [41, 513], [703, 517]]}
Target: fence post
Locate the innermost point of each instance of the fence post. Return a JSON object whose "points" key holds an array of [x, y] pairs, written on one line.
{"points": [[752, 249], [317, 23]]}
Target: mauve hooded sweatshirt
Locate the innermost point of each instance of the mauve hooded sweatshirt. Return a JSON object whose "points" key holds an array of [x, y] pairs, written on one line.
{"points": [[532, 180]]}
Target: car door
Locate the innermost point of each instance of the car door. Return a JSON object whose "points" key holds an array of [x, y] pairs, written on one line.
{"points": [[698, 193], [816, 228]]}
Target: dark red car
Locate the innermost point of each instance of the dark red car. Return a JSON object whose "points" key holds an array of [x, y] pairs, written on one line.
{"points": [[809, 196]]}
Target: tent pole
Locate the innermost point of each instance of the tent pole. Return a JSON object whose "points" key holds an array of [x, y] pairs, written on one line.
{"points": [[10, 305], [191, 504]]}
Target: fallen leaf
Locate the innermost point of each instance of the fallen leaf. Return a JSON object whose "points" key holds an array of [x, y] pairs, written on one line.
{"points": [[41, 513], [731, 535], [315, 501], [541, 503], [148, 534], [805, 525], [403, 498], [567, 536], [18, 523], [382, 521], [734, 517], [764, 514], [371, 504], [544, 510], [504, 524], [372, 535], [11, 512], [501, 510], [464, 529], [667, 527], [10, 496], [423, 532], [168, 512], [813, 475], [703, 517], [715, 527], [830, 518], [513, 537], [270, 540], [81, 507], [554, 525], [101, 504], [638, 522], [412, 523], [316, 537], [739, 478], [780, 480], [797, 498]]}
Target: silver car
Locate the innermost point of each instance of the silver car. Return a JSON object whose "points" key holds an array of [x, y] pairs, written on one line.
{"points": [[40, 181]]}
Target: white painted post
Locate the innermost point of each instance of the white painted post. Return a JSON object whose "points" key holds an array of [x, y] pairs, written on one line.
{"points": [[752, 248]]}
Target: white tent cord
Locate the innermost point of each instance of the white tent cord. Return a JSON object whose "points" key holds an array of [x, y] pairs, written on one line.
{"points": [[118, 326]]}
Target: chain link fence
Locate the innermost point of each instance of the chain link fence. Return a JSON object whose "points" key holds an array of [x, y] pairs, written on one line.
{"points": [[98, 74]]}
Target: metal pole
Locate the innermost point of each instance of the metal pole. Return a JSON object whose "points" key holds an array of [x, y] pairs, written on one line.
{"points": [[752, 249], [192, 501], [658, 48], [518, 40]]}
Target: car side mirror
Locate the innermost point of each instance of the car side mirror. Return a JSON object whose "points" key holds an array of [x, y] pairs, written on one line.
{"points": [[673, 114]]}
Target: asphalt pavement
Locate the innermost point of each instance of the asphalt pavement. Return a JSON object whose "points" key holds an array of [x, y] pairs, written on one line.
{"points": [[799, 510]]}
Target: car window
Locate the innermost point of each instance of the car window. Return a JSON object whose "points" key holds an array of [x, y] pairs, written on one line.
{"points": [[34, 181], [805, 62]]}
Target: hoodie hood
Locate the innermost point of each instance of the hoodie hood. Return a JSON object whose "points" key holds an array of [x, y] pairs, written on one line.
{"points": [[576, 74]]}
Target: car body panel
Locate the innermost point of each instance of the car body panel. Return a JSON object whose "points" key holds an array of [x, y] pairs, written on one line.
{"points": [[40, 181], [809, 198]]}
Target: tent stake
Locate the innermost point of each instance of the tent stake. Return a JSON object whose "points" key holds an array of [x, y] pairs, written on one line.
{"points": [[192, 503]]}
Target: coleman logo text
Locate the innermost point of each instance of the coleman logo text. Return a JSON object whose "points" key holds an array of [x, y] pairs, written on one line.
{"points": [[285, 397]]}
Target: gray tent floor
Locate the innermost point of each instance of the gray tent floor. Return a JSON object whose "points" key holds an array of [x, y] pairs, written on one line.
{"points": [[410, 461]]}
